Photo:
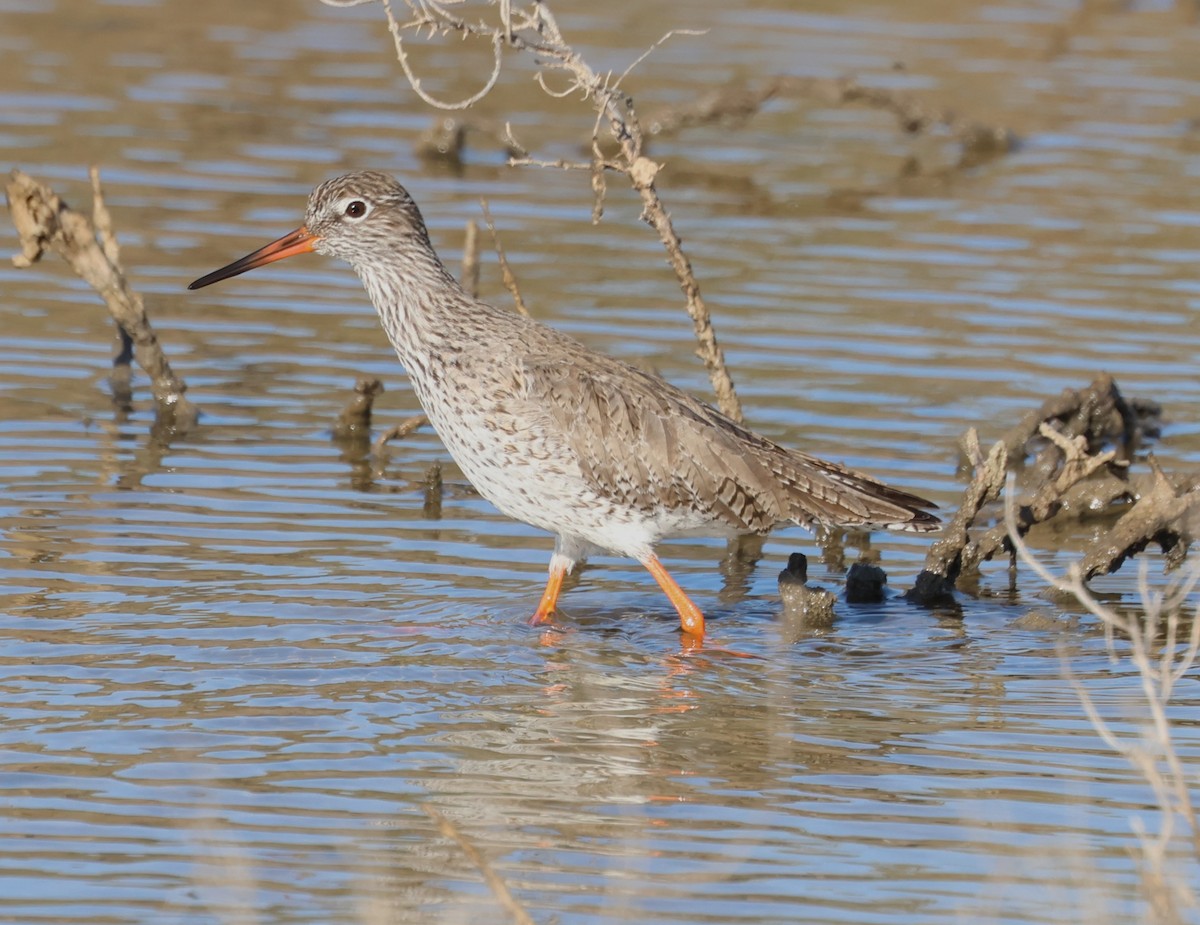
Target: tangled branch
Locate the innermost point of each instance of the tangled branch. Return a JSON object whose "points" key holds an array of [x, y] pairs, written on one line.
{"points": [[533, 29], [1081, 445]]}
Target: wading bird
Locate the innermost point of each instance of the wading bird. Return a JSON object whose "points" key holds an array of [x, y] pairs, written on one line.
{"points": [[597, 452]]}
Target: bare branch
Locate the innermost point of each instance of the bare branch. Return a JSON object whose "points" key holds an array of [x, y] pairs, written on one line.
{"points": [[415, 82], [649, 51], [558, 164], [43, 220], [560, 94], [122, 371], [1072, 472], [952, 550]]}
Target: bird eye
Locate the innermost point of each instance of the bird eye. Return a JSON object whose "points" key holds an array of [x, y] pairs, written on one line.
{"points": [[356, 209]]}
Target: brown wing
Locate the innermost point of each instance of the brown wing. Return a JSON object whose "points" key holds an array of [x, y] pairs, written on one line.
{"points": [[638, 438]]}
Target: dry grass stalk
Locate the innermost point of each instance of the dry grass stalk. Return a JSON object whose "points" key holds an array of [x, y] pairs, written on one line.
{"points": [[494, 881], [534, 30], [1163, 648], [122, 374], [506, 273], [44, 221]]}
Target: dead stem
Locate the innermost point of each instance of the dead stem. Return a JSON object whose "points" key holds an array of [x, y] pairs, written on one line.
{"points": [[43, 220], [494, 881], [122, 371], [470, 258], [510, 281]]}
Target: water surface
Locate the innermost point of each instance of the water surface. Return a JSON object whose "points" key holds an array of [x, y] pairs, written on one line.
{"points": [[238, 665]]}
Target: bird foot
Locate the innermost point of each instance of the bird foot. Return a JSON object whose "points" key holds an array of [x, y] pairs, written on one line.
{"points": [[541, 617], [694, 648]]}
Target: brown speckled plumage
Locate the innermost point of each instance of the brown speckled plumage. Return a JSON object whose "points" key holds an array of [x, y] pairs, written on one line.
{"points": [[599, 453]]}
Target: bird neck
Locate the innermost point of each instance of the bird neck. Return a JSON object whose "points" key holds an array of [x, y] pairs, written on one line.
{"points": [[430, 319]]}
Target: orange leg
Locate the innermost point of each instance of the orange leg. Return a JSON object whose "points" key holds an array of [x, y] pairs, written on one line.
{"points": [[691, 620], [549, 602]]}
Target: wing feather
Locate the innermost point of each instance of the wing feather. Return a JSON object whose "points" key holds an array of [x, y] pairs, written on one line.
{"points": [[642, 442]]}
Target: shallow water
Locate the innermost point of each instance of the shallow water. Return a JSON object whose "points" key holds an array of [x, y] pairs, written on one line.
{"points": [[239, 665]]}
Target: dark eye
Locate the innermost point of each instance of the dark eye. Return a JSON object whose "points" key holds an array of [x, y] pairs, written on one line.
{"points": [[356, 209]]}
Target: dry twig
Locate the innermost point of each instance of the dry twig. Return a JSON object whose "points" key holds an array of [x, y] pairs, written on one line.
{"points": [[1161, 515], [494, 881], [506, 273], [43, 220], [534, 30], [1164, 650]]}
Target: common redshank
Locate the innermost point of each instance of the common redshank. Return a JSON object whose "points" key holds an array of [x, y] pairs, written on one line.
{"points": [[601, 454]]}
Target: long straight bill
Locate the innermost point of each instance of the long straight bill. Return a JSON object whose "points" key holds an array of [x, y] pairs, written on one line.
{"points": [[299, 241]]}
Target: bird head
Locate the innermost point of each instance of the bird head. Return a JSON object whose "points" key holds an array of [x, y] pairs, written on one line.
{"points": [[365, 218]]}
